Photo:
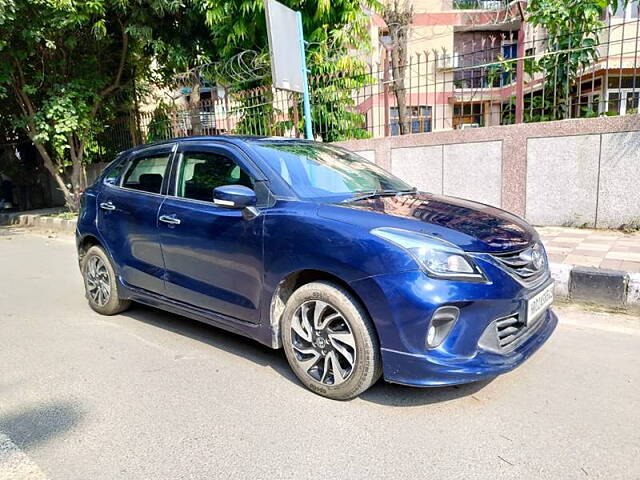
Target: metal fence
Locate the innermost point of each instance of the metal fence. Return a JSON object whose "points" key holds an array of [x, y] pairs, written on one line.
{"points": [[487, 78]]}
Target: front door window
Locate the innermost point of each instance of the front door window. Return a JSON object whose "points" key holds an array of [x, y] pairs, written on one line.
{"points": [[200, 173]]}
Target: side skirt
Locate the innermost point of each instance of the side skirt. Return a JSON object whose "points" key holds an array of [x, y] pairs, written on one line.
{"points": [[255, 331]]}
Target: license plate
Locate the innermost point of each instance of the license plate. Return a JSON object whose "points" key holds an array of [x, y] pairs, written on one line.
{"points": [[538, 304]]}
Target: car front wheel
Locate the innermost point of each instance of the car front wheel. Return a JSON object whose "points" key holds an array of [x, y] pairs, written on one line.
{"points": [[330, 342]]}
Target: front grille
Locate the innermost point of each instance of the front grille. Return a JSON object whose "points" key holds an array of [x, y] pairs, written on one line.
{"points": [[509, 330], [506, 333], [528, 266]]}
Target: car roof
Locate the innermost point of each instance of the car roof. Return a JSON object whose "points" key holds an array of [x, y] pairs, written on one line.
{"points": [[234, 139]]}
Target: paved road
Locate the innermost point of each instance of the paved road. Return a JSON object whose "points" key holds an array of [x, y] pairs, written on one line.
{"points": [[150, 395]]}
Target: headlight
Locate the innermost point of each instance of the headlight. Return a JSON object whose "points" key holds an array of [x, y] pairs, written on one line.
{"points": [[438, 258]]}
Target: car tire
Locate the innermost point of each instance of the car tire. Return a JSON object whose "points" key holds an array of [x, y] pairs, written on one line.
{"points": [[345, 350], [100, 283]]}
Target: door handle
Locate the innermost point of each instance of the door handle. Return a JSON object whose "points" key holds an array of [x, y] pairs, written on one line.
{"points": [[170, 219], [107, 206]]}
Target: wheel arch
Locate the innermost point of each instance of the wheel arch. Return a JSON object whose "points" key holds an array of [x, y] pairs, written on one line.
{"points": [[85, 243], [293, 281]]}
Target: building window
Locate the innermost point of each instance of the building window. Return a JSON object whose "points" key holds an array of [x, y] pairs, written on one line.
{"points": [[623, 102], [619, 13], [420, 117], [624, 82], [587, 105], [625, 12], [468, 114], [622, 95], [587, 99], [383, 36]]}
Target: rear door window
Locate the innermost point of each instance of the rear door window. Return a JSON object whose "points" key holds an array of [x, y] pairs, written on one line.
{"points": [[146, 174]]}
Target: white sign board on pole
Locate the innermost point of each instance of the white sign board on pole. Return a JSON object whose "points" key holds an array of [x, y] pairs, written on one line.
{"points": [[284, 47]]}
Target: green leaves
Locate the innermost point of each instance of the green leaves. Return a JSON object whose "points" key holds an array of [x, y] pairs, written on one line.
{"points": [[331, 27], [572, 28], [7, 11], [64, 54], [99, 29], [67, 67], [60, 117]]}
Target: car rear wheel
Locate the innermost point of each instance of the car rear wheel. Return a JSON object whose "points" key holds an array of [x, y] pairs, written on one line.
{"points": [[330, 342], [100, 283]]}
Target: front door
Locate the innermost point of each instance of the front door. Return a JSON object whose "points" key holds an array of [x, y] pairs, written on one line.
{"points": [[127, 218], [212, 254]]}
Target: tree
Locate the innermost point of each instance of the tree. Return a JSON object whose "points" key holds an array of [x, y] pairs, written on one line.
{"points": [[333, 103], [331, 29], [398, 15], [573, 36], [67, 65]]}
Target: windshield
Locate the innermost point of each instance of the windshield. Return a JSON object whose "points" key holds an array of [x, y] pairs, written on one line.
{"points": [[317, 171]]}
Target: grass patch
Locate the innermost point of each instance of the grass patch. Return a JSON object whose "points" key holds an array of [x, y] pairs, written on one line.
{"points": [[64, 215]]}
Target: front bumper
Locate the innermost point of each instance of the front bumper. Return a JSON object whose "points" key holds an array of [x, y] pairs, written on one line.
{"points": [[431, 370], [401, 306]]}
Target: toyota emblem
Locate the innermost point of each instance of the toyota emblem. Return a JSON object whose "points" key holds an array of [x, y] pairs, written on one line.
{"points": [[534, 256]]}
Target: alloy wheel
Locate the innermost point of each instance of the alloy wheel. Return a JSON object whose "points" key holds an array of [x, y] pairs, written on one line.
{"points": [[323, 343], [98, 282]]}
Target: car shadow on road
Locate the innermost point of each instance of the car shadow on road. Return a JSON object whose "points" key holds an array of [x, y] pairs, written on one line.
{"points": [[216, 337], [394, 395], [381, 393], [31, 426]]}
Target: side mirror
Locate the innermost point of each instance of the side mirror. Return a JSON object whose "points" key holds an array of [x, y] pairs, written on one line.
{"points": [[234, 196]]}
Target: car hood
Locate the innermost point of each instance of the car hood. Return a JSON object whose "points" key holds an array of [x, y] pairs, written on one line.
{"points": [[472, 226]]}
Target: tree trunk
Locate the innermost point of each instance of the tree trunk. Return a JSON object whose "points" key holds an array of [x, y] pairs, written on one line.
{"points": [[78, 176], [398, 68], [196, 123], [78, 184], [134, 131], [48, 164], [398, 15]]}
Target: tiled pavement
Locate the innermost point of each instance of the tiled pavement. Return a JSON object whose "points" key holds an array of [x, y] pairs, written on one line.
{"points": [[607, 249]]}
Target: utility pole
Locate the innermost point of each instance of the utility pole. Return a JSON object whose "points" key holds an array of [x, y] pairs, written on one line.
{"points": [[306, 104], [385, 89], [288, 72], [520, 68]]}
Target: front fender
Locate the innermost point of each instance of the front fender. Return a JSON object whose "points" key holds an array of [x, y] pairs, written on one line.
{"points": [[296, 239]]}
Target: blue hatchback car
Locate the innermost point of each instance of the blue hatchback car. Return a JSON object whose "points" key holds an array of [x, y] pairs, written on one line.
{"points": [[310, 248]]}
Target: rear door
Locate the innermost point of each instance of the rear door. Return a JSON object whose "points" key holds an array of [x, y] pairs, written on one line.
{"points": [[213, 255], [128, 218]]}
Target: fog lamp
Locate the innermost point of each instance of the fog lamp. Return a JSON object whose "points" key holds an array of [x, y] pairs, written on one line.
{"points": [[431, 335], [440, 325]]}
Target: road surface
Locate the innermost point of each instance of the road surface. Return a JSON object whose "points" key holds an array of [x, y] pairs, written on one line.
{"points": [[151, 395]]}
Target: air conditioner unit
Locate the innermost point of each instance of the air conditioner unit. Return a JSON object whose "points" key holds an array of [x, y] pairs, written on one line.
{"points": [[491, 4], [447, 60]]}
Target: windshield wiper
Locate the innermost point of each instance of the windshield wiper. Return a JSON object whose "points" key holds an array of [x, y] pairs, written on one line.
{"points": [[380, 192]]}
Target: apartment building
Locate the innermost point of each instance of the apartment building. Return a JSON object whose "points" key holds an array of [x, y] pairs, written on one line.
{"points": [[459, 75]]}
